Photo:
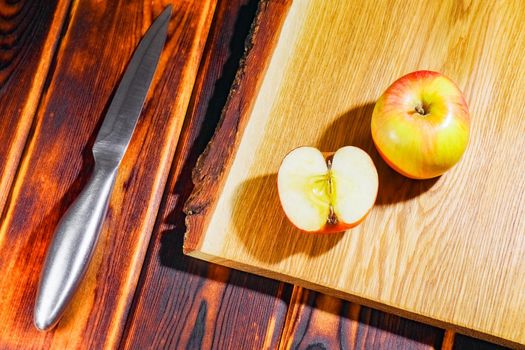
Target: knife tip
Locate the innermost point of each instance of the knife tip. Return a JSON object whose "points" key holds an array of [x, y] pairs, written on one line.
{"points": [[167, 10], [163, 19]]}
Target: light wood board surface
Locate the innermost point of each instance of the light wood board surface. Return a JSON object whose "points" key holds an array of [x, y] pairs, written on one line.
{"points": [[450, 250]]}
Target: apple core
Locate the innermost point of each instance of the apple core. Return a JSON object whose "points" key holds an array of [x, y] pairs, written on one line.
{"points": [[327, 192]]}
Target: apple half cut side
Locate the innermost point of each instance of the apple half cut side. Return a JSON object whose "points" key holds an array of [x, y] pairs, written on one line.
{"points": [[327, 193]]}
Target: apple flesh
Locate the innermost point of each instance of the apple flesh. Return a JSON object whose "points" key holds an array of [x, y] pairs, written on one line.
{"points": [[421, 125], [329, 192]]}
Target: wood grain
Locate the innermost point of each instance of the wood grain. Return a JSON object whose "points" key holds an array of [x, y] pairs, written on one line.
{"points": [[448, 340], [447, 251], [229, 309], [318, 321], [209, 172], [93, 53], [29, 33], [182, 302]]}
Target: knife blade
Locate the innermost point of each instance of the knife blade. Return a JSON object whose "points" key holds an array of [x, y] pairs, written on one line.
{"points": [[77, 233]]}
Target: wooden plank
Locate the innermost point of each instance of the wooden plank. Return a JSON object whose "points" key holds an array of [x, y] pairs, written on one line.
{"points": [[318, 321], [448, 251], [448, 340], [94, 52], [183, 302], [210, 170], [29, 33]]}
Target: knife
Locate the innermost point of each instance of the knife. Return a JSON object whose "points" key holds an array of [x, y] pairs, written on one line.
{"points": [[78, 230]]}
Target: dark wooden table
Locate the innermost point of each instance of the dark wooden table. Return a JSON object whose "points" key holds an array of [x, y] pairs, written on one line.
{"points": [[165, 300]]}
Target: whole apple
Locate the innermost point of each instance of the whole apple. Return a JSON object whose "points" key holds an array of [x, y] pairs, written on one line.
{"points": [[421, 125]]}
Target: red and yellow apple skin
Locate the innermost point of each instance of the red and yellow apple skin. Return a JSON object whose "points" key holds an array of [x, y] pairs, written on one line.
{"points": [[421, 125]]}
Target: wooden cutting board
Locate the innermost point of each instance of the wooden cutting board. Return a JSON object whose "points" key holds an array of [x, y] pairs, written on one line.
{"points": [[449, 251]]}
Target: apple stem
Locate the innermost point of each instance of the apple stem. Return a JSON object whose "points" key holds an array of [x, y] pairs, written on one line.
{"points": [[420, 109]]}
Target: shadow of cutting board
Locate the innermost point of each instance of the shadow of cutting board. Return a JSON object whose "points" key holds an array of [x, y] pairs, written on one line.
{"points": [[449, 251]]}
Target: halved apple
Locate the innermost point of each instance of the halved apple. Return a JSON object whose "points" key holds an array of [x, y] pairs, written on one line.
{"points": [[329, 192]]}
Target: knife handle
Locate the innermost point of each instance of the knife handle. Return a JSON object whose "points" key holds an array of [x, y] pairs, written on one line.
{"points": [[73, 244]]}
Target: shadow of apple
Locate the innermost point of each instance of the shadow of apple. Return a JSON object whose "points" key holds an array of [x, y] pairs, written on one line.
{"points": [[352, 128]]}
